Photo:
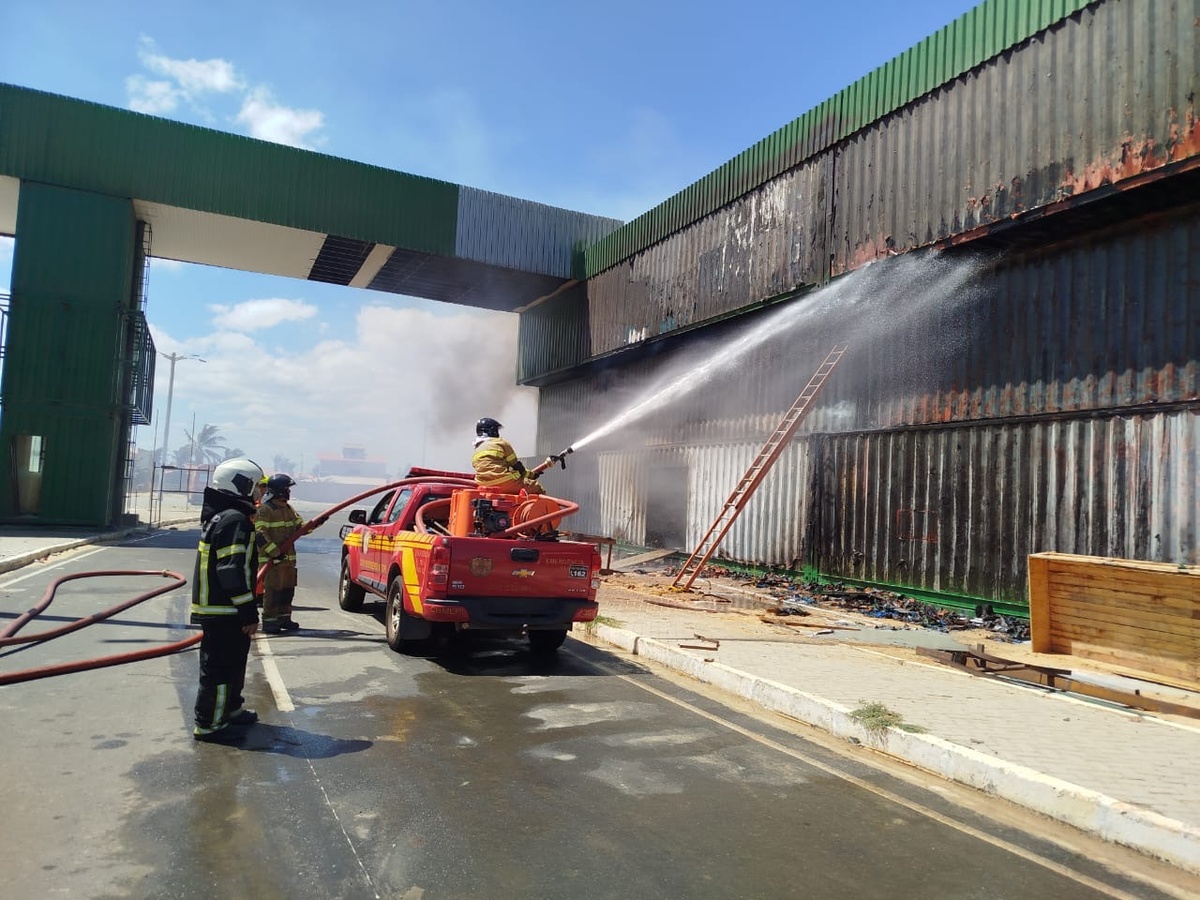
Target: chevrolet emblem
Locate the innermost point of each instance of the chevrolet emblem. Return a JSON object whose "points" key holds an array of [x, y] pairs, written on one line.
{"points": [[522, 573]]}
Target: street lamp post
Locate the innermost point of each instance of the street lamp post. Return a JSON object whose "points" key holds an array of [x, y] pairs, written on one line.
{"points": [[174, 358]]}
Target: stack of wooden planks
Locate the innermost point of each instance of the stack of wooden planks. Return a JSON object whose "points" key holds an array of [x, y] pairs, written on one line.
{"points": [[1141, 616]]}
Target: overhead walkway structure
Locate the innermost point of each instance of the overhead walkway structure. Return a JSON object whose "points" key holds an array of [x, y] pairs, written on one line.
{"points": [[91, 192]]}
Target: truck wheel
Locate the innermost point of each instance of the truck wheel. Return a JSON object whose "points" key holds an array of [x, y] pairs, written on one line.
{"points": [[350, 595], [546, 642], [399, 624]]}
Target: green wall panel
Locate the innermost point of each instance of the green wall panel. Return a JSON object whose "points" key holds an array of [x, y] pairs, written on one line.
{"points": [[71, 289], [60, 140]]}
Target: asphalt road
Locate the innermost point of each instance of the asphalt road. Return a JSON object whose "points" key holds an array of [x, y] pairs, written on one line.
{"points": [[481, 774]]}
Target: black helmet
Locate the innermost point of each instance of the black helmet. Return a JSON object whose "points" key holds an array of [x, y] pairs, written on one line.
{"points": [[487, 427], [279, 485]]}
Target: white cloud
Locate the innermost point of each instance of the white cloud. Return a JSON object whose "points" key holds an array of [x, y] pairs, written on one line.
{"points": [[255, 315], [194, 76], [194, 83], [270, 121], [152, 97]]}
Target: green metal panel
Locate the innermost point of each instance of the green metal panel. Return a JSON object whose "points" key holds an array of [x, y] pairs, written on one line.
{"points": [[975, 37], [59, 140], [72, 282]]}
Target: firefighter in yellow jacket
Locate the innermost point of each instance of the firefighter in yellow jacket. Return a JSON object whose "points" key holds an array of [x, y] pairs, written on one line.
{"points": [[495, 462], [274, 523]]}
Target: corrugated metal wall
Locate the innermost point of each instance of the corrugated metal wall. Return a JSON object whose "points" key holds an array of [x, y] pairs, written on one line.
{"points": [[1055, 405], [60, 140], [520, 234], [1104, 97], [553, 335], [991, 28], [957, 510], [1099, 98], [71, 397]]}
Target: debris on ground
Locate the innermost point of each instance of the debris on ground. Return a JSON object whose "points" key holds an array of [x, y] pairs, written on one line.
{"points": [[792, 596]]}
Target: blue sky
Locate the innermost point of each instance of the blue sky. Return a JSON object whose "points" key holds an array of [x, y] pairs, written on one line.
{"points": [[608, 109]]}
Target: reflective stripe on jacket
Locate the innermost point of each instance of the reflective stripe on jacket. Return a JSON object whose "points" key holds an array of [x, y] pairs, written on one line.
{"points": [[493, 462], [274, 523], [226, 567]]}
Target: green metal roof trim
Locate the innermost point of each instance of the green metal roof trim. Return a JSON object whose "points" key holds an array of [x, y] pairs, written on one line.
{"points": [[973, 38], [60, 140]]}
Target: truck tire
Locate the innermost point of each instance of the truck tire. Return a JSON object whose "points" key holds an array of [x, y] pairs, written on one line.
{"points": [[543, 643], [350, 595], [399, 624]]}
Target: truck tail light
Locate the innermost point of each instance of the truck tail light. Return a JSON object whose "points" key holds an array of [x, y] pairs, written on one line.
{"points": [[597, 564], [439, 564]]}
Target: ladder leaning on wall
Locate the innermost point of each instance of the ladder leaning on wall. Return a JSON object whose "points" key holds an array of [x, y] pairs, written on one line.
{"points": [[766, 458]]}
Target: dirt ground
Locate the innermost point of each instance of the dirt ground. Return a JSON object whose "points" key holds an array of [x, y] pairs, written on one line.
{"points": [[828, 622]]}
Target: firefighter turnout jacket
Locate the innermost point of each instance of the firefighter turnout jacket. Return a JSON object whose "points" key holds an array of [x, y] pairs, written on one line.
{"points": [[495, 463], [275, 522], [227, 561]]}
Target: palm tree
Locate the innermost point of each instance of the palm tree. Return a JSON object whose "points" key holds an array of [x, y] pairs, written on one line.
{"points": [[206, 446]]}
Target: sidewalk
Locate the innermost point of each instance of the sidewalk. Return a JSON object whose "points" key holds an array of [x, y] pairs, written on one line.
{"points": [[1128, 776]]}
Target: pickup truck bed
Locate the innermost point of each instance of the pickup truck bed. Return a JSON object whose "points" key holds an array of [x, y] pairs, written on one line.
{"points": [[437, 582]]}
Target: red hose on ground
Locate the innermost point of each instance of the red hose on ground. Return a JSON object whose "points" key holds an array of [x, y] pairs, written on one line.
{"points": [[8, 635]]}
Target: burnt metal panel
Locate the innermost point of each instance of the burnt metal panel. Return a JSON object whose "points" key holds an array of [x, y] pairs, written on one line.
{"points": [[1053, 406], [1079, 122], [957, 510], [767, 244], [1096, 100], [980, 34]]}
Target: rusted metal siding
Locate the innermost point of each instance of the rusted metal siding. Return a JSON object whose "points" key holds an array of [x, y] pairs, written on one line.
{"points": [[764, 245], [1096, 323], [978, 35], [1096, 100], [1099, 99], [1054, 407], [958, 510]]}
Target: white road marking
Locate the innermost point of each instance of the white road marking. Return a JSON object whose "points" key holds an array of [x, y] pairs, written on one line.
{"points": [[283, 700]]}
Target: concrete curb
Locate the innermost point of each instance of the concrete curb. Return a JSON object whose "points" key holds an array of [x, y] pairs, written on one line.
{"points": [[1085, 809]]}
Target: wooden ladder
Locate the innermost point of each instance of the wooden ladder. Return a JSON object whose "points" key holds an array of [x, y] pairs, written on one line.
{"points": [[767, 456]]}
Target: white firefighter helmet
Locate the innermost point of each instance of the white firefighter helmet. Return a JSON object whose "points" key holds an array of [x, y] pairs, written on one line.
{"points": [[238, 476]]}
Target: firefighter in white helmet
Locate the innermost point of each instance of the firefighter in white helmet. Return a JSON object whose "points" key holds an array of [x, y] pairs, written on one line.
{"points": [[223, 599], [496, 465]]}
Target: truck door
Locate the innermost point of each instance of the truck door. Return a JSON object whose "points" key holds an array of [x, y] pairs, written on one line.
{"points": [[380, 536]]}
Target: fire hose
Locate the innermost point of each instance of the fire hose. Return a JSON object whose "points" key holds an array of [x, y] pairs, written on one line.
{"points": [[9, 636]]}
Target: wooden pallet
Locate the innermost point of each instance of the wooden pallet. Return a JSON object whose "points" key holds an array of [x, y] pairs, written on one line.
{"points": [[1143, 616]]}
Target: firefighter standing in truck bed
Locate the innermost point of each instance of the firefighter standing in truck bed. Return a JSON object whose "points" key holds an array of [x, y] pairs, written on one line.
{"points": [[495, 462], [274, 523]]}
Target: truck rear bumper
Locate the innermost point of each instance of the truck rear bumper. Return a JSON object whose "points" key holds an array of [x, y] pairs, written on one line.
{"points": [[511, 612]]}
